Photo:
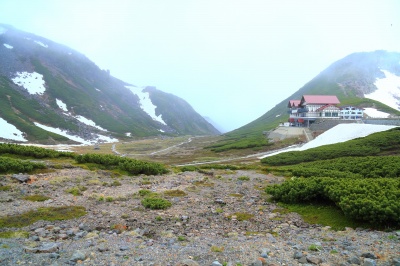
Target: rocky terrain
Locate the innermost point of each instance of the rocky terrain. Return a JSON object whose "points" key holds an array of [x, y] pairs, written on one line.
{"points": [[218, 217]]}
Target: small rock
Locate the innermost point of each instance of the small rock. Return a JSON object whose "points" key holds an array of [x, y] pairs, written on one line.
{"points": [[78, 255], [54, 255], [368, 255], [303, 260], [354, 260], [216, 263], [369, 262], [188, 262], [298, 255], [122, 248], [257, 263], [48, 248], [21, 178], [396, 262], [314, 259]]}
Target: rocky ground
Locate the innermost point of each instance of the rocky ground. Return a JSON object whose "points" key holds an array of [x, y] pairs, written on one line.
{"points": [[223, 218]]}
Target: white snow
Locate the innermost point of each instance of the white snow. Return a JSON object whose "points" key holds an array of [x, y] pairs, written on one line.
{"points": [[76, 138], [62, 105], [8, 46], [97, 89], [42, 44], [33, 82], [339, 133], [372, 112], [2, 30], [161, 130], [128, 134], [146, 103], [277, 115], [388, 91], [9, 131], [88, 122]]}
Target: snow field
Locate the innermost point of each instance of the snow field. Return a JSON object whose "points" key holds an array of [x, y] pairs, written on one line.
{"points": [[33, 82], [388, 91], [8, 46], [337, 134], [146, 104], [9, 131]]}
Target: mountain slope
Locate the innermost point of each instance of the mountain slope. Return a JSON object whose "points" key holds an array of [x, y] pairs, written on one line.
{"points": [[350, 79], [45, 86]]}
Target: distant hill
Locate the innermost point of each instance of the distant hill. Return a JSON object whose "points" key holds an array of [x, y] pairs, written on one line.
{"points": [[352, 79], [50, 93]]}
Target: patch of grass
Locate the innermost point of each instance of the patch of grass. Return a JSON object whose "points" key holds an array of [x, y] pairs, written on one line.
{"points": [[156, 203], [5, 188], [314, 247], [241, 216], [334, 251], [76, 191], [109, 199], [217, 249], [236, 195], [219, 210], [175, 193], [159, 219], [16, 234], [36, 197], [324, 214], [244, 178], [181, 238], [47, 214]]}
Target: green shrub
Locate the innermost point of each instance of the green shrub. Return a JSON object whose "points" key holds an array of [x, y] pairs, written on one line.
{"points": [[36, 198], [46, 214], [156, 203], [244, 178]]}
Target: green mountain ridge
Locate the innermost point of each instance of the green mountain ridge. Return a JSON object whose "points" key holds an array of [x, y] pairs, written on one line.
{"points": [[86, 90], [349, 79]]}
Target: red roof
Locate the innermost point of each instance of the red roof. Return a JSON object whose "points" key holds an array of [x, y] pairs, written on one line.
{"points": [[320, 99], [293, 103], [326, 106]]}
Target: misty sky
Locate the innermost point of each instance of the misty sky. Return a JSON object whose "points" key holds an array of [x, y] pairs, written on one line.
{"points": [[231, 60]]}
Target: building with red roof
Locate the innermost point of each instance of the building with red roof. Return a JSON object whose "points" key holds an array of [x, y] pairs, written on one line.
{"points": [[305, 111]]}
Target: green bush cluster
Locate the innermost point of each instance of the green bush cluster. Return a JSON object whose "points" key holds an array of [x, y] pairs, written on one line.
{"points": [[375, 144], [31, 151], [372, 200], [156, 203], [132, 166], [348, 167], [10, 165]]}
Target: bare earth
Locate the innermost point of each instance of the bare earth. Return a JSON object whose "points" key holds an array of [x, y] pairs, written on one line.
{"points": [[201, 228]]}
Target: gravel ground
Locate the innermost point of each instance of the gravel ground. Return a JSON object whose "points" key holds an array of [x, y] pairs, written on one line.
{"points": [[203, 227]]}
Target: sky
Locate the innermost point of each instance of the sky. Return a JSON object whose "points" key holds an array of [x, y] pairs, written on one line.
{"points": [[232, 60]]}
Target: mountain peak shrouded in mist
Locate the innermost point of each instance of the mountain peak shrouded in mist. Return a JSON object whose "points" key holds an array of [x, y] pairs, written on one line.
{"points": [[370, 80], [50, 93]]}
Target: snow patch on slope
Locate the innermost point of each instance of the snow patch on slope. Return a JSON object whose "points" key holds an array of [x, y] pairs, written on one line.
{"points": [[64, 133], [388, 91], [89, 122], [42, 44], [33, 82], [146, 104], [372, 112], [8, 46], [337, 134], [62, 105], [9, 131]]}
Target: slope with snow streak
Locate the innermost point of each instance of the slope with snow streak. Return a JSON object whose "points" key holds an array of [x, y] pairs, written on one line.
{"points": [[339, 133], [146, 104], [388, 91], [9, 131]]}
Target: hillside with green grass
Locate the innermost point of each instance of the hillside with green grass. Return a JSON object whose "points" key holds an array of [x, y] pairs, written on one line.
{"points": [[86, 91], [359, 177], [349, 79]]}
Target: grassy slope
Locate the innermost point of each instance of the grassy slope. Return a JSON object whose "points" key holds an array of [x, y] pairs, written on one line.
{"points": [[354, 72]]}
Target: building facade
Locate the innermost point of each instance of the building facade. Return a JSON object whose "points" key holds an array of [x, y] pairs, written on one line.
{"points": [[311, 107]]}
